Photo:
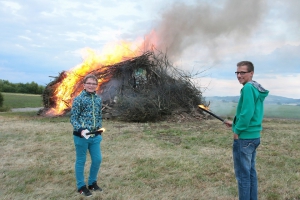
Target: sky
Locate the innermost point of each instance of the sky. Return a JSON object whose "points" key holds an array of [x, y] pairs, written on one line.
{"points": [[40, 39]]}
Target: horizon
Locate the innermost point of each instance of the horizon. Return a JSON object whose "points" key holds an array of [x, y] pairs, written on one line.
{"points": [[270, 95], [202, 95]]}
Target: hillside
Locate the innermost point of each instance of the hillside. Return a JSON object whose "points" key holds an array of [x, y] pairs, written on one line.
{"points": [[271, 99]]}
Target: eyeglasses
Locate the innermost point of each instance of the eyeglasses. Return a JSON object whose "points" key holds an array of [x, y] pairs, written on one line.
{"points": [[91, 83], [241, 73]]}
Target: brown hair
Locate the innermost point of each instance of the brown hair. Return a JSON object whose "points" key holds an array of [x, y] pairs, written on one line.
{"points": [[249, 65], [92, 76]]}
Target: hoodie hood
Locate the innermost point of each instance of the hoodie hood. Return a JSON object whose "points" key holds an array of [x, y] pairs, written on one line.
{"points": [[263, 92]]}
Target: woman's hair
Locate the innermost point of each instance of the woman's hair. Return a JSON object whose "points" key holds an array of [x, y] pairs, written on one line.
{"points": [[249, 65], [92, 76]]}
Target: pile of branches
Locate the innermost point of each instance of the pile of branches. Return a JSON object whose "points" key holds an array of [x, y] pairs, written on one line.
{"points": [[145, 88]]}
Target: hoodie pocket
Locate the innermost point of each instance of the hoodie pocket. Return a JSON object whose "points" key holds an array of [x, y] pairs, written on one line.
{"points": [[234, 120]]}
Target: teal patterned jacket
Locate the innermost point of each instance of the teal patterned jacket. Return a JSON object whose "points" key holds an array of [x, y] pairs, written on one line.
{"points": [[86, 112]]}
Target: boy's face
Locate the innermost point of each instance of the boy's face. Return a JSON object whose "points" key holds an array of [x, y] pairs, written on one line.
{"points": [[245, 77], [90, 85]]}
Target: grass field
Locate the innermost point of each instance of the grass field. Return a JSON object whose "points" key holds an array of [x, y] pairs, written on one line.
{"points": [[16, 100], [227, 109], [166, 160]]}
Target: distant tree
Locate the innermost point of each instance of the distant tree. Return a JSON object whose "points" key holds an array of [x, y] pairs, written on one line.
{"points": [[21, 88], [40, 89], [28, 88], [8, 88], [32, 87]]}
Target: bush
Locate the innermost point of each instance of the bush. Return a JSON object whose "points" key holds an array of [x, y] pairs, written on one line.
{"points": [[1, 100], [4, 109]]}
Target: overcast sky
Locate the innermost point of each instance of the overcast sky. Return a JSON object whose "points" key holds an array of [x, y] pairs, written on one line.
{"points": [[41, 38]]}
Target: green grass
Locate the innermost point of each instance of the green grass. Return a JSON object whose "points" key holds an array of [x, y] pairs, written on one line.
{"points": [[16, 100], [282, 111], [165, 160], [227, 110]]}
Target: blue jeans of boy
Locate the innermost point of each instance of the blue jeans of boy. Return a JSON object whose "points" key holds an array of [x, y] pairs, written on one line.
{"points": [[81, 146], [244, 159]]}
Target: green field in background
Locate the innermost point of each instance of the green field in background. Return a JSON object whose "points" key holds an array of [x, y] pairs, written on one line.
{"points": [[16, 100], [227, 110]]}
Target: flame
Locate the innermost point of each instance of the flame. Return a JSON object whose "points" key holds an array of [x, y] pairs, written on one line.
{"points": [[113, 53], [102, 129], [203, 107]]}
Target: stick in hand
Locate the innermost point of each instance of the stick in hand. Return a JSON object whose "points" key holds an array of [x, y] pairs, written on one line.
{"points": [[99, 131]]}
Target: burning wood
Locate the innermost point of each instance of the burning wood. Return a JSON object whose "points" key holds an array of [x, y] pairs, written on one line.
{"points": [[206, 109], [141, 88]]}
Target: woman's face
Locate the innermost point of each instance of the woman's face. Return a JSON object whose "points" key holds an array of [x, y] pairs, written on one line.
{"points": [[90, 85]]}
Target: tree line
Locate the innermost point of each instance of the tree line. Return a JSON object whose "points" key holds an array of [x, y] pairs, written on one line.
{"points": [[27, 88]]}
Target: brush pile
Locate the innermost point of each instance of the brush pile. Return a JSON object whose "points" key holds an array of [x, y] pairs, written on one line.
{"points": [[141, 89]]}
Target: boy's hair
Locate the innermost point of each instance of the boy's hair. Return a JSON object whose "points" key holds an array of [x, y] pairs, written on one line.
{"points": [[249, 65]]}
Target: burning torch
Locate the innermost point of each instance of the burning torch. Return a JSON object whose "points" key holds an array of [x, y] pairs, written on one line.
{"points": [[206, 109], [99, 131]]}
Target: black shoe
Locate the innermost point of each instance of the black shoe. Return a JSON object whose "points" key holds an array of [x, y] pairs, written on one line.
{"points": [[84, 191], [95, 187]]}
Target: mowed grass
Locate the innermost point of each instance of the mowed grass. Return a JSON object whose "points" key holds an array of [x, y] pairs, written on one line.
{"points": [[175, 159], [17, 100]]}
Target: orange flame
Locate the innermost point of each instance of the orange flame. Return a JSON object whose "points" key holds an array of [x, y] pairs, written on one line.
{"points": [[102, 129], [64, 92], [204, 107]]}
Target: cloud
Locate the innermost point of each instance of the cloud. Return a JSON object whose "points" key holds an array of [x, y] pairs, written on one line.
{"points": [[284, 60], [44, 37]]}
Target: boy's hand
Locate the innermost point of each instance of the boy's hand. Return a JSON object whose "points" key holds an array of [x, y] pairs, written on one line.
{"points": [[228, 123]]}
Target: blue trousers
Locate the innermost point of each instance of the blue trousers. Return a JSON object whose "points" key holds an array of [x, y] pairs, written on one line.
{"points": [[244, 159], [81, 146]]}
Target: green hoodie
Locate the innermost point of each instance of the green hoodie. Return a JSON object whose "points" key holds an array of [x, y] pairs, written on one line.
{"points": [[247, 122]]}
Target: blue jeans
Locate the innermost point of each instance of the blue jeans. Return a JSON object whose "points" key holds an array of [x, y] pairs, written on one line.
{"points": [[81, 146], [244, 159]]}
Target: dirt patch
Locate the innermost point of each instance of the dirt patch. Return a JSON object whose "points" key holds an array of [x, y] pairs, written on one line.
{"points": [[25, 109]]}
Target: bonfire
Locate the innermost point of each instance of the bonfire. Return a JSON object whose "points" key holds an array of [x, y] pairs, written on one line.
{"points": [[139, 88]]}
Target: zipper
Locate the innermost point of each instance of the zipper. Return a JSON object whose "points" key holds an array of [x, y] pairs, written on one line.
{"points": [[94, 111]]}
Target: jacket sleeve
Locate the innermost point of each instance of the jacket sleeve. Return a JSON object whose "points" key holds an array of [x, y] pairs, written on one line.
{"points": [[247, 109], [75, 114]]}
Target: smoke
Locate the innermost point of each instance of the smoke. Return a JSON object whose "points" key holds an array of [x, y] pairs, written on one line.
{"points": [[291, 9], [183, 26]]}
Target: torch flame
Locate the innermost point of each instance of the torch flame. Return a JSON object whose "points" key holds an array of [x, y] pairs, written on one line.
{"points": [[102, 129], [203, 106], [65, 91]]}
